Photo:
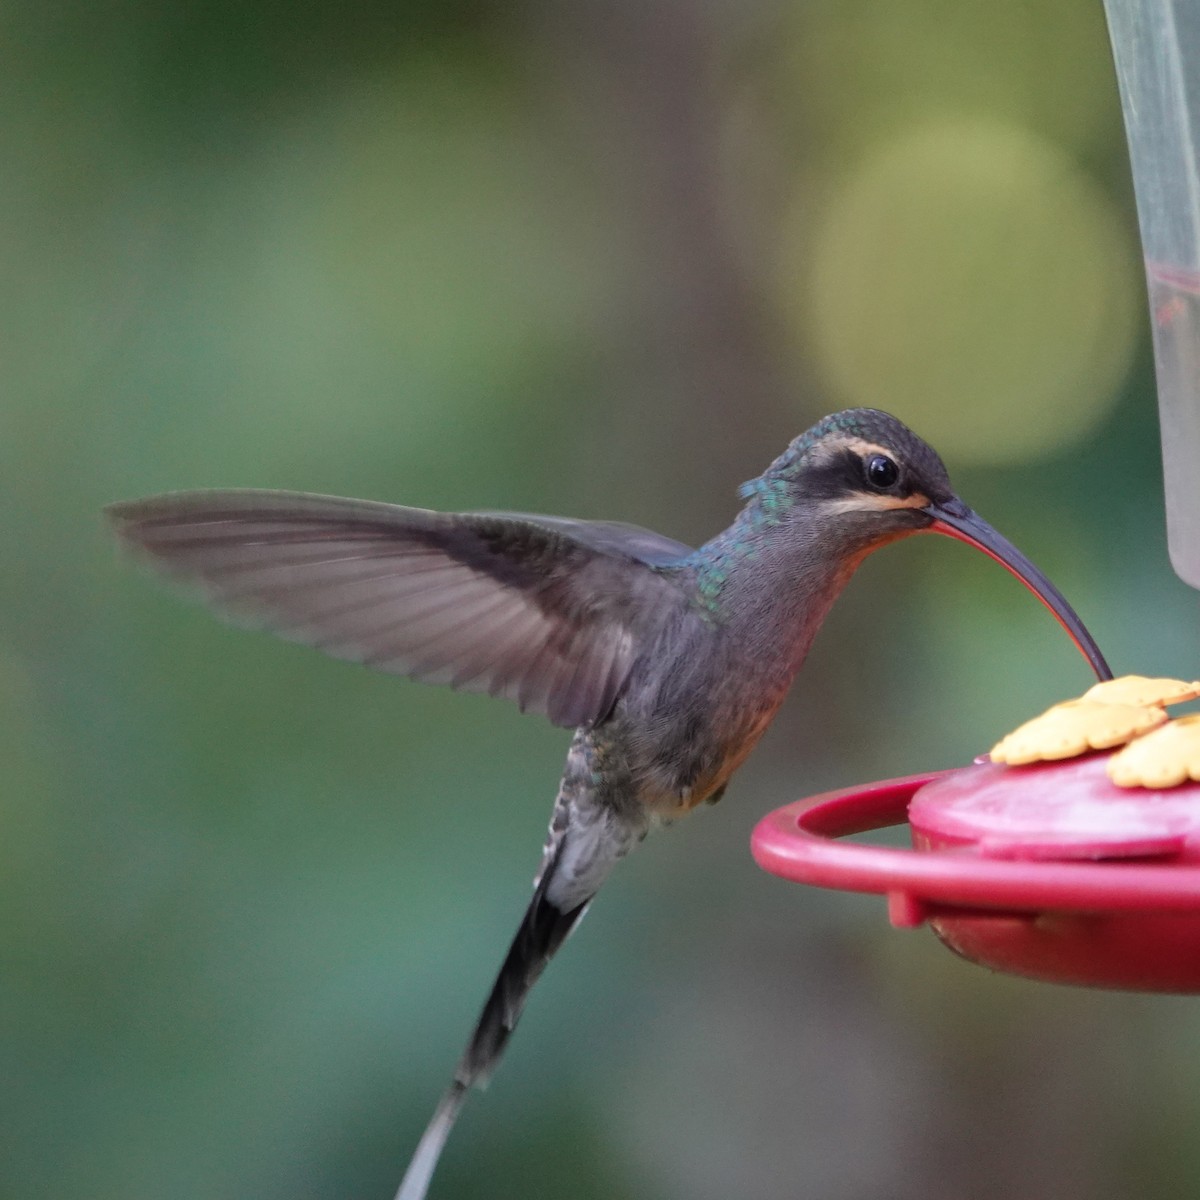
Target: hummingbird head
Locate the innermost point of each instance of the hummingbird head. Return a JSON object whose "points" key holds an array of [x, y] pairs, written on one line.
{"points": [[860, 479]]}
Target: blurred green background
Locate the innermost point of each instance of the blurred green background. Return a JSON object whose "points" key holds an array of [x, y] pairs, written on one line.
{"points": [[597, 258]]}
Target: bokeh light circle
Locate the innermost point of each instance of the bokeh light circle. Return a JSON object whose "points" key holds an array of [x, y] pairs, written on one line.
{"points": [[969, 277]]}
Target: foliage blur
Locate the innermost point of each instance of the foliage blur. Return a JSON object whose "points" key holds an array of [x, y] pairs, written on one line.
{"points": [[598, 258]]}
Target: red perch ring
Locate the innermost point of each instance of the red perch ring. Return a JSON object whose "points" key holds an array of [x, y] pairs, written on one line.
{"points": [[1048, 871]]}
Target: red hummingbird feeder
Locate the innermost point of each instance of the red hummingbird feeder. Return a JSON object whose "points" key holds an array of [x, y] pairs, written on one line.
{"points": [[1070, 853], [1082, 870], [1049, 871]]}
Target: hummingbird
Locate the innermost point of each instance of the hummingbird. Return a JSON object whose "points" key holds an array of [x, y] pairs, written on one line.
{"points": [[667, 662]]}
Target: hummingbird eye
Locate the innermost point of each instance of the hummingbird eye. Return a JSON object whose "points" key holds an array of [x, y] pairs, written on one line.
{"points": [[881, 471]]}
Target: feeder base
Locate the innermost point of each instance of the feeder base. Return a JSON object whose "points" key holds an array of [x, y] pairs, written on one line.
{"points": [[1143, 952]]}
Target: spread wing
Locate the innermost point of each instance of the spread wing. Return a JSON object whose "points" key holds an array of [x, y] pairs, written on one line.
{"points": [[543, 610]]}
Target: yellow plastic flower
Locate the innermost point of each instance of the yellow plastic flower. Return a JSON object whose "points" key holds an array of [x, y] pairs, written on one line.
{"points": [[1075, 728], [1140, 689], [1165, 758]]}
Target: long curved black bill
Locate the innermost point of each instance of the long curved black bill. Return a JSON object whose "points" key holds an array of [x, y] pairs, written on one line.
{"points": [[956, 520]]}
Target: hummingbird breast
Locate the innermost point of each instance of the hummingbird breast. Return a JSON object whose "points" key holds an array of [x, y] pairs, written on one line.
{"points": [[689, 719], [714, 670]]}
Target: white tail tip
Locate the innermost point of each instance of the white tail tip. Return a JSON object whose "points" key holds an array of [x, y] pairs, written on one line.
{"points": [[424, 1162]]}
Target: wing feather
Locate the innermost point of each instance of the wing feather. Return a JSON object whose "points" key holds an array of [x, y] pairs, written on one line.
{"points": [[543, 610]]}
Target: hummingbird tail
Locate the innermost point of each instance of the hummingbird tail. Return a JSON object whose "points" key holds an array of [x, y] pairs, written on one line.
{"points": [[586, 840], [542, 930]]}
